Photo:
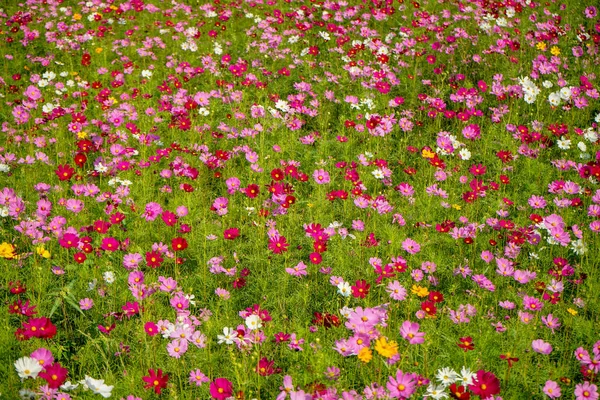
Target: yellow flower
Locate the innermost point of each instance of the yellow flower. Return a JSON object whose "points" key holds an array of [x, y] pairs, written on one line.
{"points": [[571, 311], [365, 355], [541, 46], [81, 135], [555, 51], [456, 206], [427, 153], [7, 250], [386, 349], [419, 291], [41, 251], [98, 50], [76, 16]]}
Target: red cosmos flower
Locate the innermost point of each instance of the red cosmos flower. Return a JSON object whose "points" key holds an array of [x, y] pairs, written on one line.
{"points": [[231, 233], [360, 289], [179, 244], [485, 384], [277, 174], [239, 283], [154, 259], [327, 320], [436, 297], [428, 307], [101, 226], [80, 159], [155, 380], [117, 218], [18, 307], [64, 172], [79, 257], [278, 244], [315, 258], [86, 59], [466, 343], [320, 246], [221, 389], [265, 367], [55, 375], [289, 200], [252, 190], [16, 287], [508, 359], [459, 392]]}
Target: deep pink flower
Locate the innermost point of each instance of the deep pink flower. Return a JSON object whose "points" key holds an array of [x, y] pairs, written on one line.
{"points": [[221, 389], [155, 380]]}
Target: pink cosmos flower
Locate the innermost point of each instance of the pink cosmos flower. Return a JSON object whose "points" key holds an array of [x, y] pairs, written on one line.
{"points": [[411, 246], [86, 304], [532, 304], [132, 260], [586, 391], [287, 387], [410, 331], [539, 346], [321, 177], [552, 390], [298, 270], [177, 348], [44, 357], [396, 290], [152, 211], [551, 322], [402, 386], [198, 378]]}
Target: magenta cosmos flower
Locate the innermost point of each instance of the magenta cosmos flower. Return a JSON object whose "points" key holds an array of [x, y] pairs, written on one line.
{"points": [[221, 389]]}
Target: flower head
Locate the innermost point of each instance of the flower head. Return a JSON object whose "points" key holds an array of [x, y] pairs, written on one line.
{"points": [[155, 380]]}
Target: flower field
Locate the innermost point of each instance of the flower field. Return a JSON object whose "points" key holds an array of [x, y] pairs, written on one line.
{"points": [[280, 199]]}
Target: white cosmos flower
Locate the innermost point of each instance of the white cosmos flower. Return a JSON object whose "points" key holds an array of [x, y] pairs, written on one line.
{"points": [[68, 386], [446, 376], [227, 337], [253, 322], [554, 99], [378, 174], [344, 289], [28, 367], [97, 386], [436, 392], [464, 154], [466, 376], [563, 144]]}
